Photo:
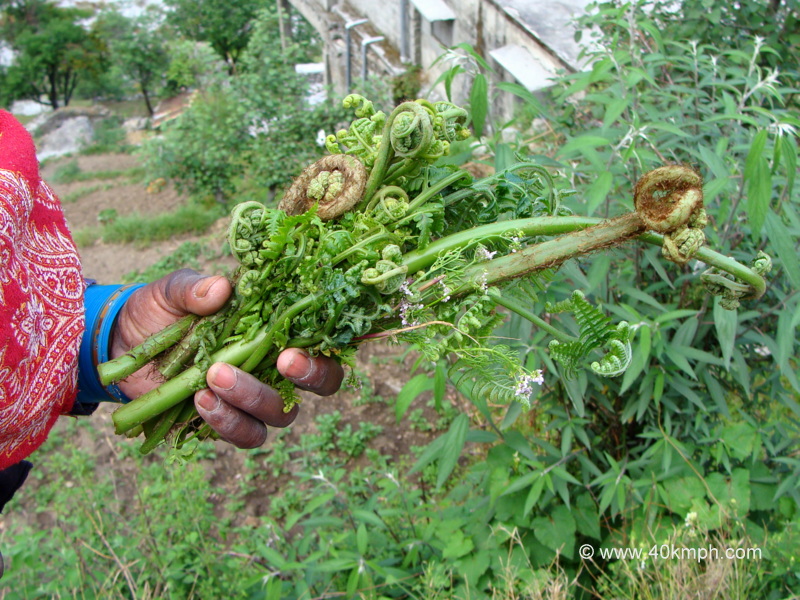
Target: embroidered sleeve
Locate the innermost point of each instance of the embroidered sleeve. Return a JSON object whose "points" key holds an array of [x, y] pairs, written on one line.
{"points": [[41, 300]]}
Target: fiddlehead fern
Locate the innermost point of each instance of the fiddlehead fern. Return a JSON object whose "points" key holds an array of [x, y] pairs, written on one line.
{"points": [[730, 289], [450, 122], [387, 276], [391, 204], [411, 130], [334, 182], [669, 200], [246, 221], [596, 331]]}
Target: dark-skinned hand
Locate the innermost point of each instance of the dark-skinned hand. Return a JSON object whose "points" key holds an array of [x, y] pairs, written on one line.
{"points": [[236, 405]]}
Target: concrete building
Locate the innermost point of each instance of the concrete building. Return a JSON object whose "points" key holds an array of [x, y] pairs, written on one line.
{"points": [[524, 41]]}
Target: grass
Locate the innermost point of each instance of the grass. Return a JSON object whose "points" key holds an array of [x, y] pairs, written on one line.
{"points": [[307, 516], [81, 193], [136, 228], [71, 173], [671, 567]]}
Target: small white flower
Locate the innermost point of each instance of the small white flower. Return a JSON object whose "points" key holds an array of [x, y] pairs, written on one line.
{"points": [[525, 383], [482, 254], [782, 129], [445, 291], [691, 519], [407, 307], [482, 282]]}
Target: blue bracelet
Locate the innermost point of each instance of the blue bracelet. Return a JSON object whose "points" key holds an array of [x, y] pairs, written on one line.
{"points": [[102, 304]]}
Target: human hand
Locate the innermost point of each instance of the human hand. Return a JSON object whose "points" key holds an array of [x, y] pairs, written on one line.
{"points": [[236, 405]]}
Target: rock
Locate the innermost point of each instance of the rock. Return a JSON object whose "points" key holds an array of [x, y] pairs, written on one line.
{"points": [[510, 135], [29, 108], [44, 124], [66, 130], [135, 124], [70, 136]]}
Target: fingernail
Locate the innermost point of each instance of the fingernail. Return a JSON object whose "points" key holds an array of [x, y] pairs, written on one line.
{"points": [[222, 376], [299, 367], [208, 401], [202, 287]]}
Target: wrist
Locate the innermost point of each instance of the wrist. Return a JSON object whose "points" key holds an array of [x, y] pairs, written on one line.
{"points": [[102, 305]]}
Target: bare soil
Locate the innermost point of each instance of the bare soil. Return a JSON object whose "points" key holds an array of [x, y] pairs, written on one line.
{"points": [[109, 263]]}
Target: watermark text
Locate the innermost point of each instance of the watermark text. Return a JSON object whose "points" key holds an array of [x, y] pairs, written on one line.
{"points": [[670, 552]]}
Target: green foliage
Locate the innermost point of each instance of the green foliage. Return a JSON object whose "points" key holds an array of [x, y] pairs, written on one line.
{"points": [[226, 27], [596, 332], [734, 25], [163, 542], [71, 171], [203, 149], [282, 126], [407, 85], [109, 137], [140, 229], [250, 133], [185, 256], [191, 66], [167, 531], [706, 416], [138, 48], [53, 52], [334, 437]]}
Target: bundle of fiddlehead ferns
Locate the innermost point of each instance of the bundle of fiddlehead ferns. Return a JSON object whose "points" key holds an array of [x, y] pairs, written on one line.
{"points": [[375, 241]]}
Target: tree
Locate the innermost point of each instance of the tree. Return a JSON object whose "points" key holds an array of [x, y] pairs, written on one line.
{"points": [[138, 46], [52, 52], [226, 26], [18, 16]]}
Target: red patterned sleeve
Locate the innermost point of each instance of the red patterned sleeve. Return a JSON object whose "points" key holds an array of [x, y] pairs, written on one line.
{"points": [[41, 300]]}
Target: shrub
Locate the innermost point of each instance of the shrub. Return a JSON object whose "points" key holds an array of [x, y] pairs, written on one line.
{"points": [[705, 419]]}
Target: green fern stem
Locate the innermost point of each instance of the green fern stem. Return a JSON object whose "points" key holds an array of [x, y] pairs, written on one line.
{"points": [[556, 251], [171, 392], [386, 152], [552, 253], [135, 359], [523, 312]]}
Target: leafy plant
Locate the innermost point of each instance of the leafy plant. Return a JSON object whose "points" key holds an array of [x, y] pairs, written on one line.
{"points": [[705, 417], [138, 46], [185, 256], [316, 274], [52, 52], [203, 147], [245, 134], [190, 218], [225, 27]]}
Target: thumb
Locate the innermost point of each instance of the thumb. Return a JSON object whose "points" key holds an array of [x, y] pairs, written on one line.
{"points": [[163, 302], [187, 291]]}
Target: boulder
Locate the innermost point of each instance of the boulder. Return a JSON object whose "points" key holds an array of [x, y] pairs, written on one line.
{"points": [[69, 137], [66, 130]]}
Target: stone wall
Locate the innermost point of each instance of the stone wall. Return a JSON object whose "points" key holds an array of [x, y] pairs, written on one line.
{"points": [[524, 41]]}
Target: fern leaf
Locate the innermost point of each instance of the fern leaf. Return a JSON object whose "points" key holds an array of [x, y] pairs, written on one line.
{"points": [[596, 332]]}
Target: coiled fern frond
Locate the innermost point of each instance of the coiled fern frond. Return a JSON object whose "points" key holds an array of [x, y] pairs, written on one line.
{"points": [[596, 332]]}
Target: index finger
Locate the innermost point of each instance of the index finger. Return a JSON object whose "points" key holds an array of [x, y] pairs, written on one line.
{"points": [[321, 375]]}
